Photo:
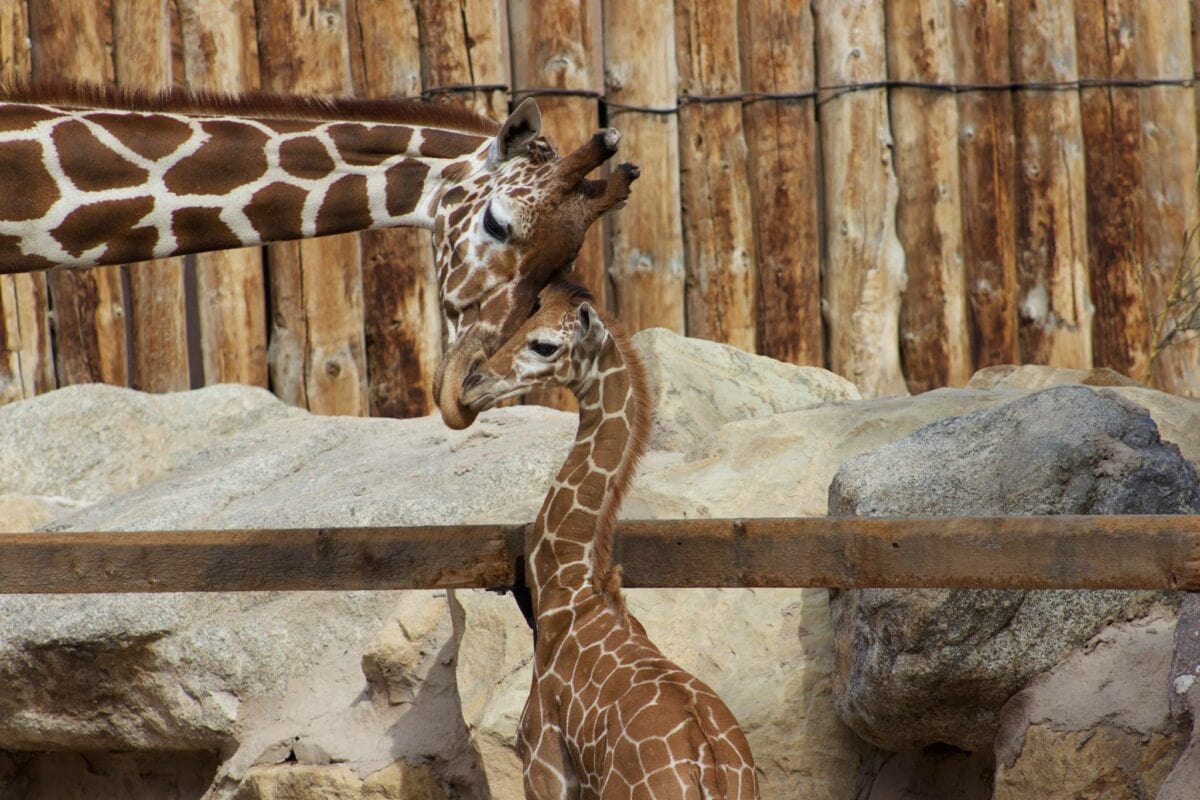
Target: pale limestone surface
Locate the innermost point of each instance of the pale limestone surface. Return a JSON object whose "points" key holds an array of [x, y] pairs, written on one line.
{"points": [[697, 386]]}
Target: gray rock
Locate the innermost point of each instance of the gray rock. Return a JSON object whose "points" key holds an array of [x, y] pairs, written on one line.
{"points": [[926, 666]]}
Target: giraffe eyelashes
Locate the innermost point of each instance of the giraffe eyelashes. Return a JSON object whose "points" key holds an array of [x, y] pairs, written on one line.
{"points": [[495, 228], [544, 349]]}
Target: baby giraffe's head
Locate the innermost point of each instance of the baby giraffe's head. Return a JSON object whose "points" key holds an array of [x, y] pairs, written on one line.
{"points": [[559, 345]]}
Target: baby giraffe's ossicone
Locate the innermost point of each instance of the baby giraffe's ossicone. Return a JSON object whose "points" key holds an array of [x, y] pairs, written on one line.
{"points": [[608, 715]]}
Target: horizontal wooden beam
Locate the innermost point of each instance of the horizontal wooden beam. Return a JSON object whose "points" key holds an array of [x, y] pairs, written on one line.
{"points": [[1061, 552]]}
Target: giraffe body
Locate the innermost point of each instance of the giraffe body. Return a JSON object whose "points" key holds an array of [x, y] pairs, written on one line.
{"points": [[92, 176], [608, 715]]}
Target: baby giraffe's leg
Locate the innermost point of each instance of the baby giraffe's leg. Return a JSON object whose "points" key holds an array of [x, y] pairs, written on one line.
{"points": [[549, 774]]}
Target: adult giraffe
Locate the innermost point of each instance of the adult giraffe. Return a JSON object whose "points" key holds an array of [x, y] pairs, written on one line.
{"points": [[92, 176], [608, 716]]}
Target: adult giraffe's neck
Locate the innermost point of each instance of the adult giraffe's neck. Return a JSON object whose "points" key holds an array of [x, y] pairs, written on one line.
{"points": [[105, 186], [571, 558]]}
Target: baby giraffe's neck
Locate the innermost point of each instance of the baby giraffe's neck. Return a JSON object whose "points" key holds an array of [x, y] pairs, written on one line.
{"points": [[571, 558]]}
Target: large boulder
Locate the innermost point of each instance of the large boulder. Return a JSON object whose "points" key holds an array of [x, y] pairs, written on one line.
{"points": [[697, 386], [929, 666]]}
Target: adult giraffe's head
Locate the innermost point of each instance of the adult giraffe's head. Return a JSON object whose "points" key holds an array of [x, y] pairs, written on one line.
{"points": [[508, 229]]}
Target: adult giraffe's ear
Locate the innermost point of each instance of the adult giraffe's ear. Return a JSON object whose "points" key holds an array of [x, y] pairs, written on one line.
{"points": [[522, 127], [589, 330]]}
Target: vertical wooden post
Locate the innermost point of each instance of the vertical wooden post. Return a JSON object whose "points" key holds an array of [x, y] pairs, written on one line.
{"points": [[986, 167], [220, 53], [465, 43], [403, 320], [556, 43], [316, 354], [646, 238], [26, 358], [718, 228], [1055, 307], [1111, 120], [158, 321], [864, 267], [1164, 50], [933, 311], [71, 41], [777, 57]]}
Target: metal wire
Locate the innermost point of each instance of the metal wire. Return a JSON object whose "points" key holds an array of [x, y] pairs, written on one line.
{"points": [[822, 94]]}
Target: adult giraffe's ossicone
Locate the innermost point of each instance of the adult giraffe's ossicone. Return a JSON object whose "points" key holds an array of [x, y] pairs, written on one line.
{"points": [[92, 176]]}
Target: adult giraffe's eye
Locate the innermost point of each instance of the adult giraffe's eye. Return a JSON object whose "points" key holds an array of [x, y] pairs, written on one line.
{"points": [[495, 229], [543, 348]]}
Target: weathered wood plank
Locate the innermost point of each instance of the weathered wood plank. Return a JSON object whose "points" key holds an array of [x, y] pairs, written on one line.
{"points": [[784, 172], [72, 41], [402, 316], [26, 358], [864, 268], [465, 43], [1107, 38], [317, 351], [220, 53], [1164, 49], [1055, 307], [646, 239], [1059, 552], [158, 321], [986, 166], [718, 225], [933, 313]]}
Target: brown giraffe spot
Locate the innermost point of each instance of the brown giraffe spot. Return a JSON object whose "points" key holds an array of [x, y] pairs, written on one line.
{"points": [[459, 214], [405, 182], [89, 164], [10, 253], [654, 751], [345, 206], [457, 171], [305, 157], [274, 211], [449, 144], [151, 136], [232, 157], [19, 118], [593, 485], [199, 229], [559, 506], [289, 125], [111, 221], [453, 196], [365, 146], [21, 165], [520, 191]]}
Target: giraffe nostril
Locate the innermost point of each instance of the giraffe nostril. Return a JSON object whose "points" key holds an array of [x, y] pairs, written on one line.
{"points": [[473, 379]]}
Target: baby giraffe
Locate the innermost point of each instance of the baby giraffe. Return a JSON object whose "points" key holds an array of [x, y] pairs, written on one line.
{"points": [[608, 715]]}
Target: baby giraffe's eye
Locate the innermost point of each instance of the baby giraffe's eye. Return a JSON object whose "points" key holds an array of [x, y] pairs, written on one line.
{"points": [[543, 348], [494, 227]]}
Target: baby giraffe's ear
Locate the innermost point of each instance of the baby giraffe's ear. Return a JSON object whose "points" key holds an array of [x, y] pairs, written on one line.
{"points": [[522, 127], [589, 330]]}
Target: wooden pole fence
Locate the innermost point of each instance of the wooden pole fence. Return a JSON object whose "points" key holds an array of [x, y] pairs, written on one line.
{"points": [[1053, 552]]}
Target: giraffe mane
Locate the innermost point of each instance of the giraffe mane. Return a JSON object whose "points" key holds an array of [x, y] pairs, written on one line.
{"points": [[392, 110], [607, 578]]}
